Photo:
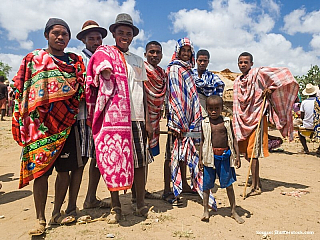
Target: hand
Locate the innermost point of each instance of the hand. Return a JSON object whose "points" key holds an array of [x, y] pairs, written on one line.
{"points": [[177, 135], [238, 162], [106, 73], [200, 165], [149, 130], [266, 92]]}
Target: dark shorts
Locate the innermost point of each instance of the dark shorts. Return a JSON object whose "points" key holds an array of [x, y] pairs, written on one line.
{"points": [[86, 139], [68, 159], [141, 155], [226, 174]]}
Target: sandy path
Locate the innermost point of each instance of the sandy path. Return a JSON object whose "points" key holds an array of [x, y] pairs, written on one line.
{"points": [[264, 215]]}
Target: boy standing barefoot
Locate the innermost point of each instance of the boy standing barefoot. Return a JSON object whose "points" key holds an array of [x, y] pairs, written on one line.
{"points": [[219, 154]]}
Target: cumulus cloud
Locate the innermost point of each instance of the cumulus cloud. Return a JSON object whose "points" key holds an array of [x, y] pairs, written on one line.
{"points": [[13, 61], [30, 16], [299, 21]]}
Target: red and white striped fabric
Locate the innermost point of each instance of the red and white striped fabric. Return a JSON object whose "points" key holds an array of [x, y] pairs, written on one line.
{"points": [[248, 99]]}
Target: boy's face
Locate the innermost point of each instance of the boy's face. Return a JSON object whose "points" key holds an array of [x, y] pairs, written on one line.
{"points": [[123, 36], [58, 38], [244, 64], [202, 63], [185, 53], [214, 109]]}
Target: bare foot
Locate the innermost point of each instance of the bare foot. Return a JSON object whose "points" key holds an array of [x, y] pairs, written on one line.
{"points": [[205, 217], [236, 217]]}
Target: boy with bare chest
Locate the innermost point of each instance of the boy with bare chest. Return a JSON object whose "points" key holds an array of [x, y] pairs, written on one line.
{"points": [[219, 154]]}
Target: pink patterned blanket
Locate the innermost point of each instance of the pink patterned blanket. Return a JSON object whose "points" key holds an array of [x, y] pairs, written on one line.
{"points": [[109, 115], [248, 99]]}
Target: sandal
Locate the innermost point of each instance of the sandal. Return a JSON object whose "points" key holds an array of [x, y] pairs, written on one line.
{"points": [[59, 219], [174, 201], [97, 204], [114, 216], [149, 195], [149, 214], [39, 229]]}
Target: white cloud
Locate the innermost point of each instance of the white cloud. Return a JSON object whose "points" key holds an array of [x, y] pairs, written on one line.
{"points": [[299, 21], [13, 61], [30, 16]]}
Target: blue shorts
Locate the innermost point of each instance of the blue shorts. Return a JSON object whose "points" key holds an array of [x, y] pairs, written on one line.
{"points": [[226, 174]]}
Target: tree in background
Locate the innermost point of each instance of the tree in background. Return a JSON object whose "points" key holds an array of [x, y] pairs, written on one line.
{"points": [[313, 77], [4, 69]]}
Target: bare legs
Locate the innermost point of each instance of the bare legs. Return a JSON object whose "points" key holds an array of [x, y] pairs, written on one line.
{"points": [[40, 193], [256, 183], [75, 181], [94, 178], [232, 201], [303, 142]]}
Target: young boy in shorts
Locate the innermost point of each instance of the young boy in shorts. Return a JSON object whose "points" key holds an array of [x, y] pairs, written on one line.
{"points": [[219, 154]]}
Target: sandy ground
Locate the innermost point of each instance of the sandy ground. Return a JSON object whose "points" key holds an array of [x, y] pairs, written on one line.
{"points": [[270, 215]]}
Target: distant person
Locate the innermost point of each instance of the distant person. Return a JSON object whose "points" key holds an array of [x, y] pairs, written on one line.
{"points": [[184, 121], [219, 153], [307, 113], [207, 82], [91, 35], [44, 121], [249, 91], [316, 120], [3, 97]]}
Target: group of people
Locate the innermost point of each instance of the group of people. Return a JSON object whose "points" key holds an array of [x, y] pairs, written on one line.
{"points": [[106, 105]]}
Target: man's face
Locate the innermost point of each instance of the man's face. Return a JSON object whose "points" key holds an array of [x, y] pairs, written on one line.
{"points": [[123, 36], [244, 64], [214, 109], [185, 53], [58, 38], [92, 41], [202, 63], [153, 54]]}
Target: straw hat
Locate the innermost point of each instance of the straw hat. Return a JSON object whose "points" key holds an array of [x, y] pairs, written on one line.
{"points": [[310, 90], [90, 26], [124, 19], [6, 82]]}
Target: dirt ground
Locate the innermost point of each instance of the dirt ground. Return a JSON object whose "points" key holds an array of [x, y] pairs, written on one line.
{"points": [[270, 215]]}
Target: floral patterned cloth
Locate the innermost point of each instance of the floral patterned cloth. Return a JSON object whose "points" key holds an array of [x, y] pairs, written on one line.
{"points": [[46, 105], [109, 114], [316, 119]]}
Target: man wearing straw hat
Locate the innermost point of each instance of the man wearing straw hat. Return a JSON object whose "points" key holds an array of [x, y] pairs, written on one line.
{"points": [[306, 109], [91, 35], [256, 92]]}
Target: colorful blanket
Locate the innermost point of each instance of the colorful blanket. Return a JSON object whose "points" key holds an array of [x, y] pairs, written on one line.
{"points": [[110, 116], [184, 116], [156, 90], [46, 105], [248, 99], [316, 119]]}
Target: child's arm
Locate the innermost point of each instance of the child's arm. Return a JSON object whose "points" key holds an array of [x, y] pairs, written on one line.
{"points": [[236, 148], [200, 151]]}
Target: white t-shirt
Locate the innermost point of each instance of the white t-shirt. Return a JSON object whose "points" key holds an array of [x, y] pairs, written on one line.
{"points": [[307, 106], [82, 106], [135, 81]]}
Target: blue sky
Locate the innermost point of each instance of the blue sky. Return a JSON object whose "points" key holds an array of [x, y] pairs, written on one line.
{"points": [[279, 33]]}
